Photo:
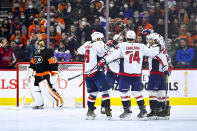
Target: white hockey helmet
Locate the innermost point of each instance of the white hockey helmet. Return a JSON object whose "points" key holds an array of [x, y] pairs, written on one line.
{"points": [[130, 35], [97, 36], [117, 37]]}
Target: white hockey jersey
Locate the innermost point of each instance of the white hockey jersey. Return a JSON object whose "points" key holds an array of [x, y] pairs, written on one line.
{"points": [[132, 54], [91, 52], [114, 66], [157, 63]]}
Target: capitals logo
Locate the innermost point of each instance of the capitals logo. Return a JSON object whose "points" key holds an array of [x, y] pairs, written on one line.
{"points": [[38, 59]]}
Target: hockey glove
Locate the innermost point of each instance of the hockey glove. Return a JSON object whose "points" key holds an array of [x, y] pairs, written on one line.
{"points": [[101, 64], [112, 43], [75, 52]]}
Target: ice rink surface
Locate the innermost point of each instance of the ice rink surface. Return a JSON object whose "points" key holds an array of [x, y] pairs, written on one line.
{"points": [[183, 118]]}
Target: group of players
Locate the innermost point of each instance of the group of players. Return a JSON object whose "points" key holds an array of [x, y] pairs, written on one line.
{"points": [[124, 64], [104, 64]]}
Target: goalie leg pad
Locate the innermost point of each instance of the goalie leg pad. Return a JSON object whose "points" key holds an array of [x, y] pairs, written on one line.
{"points": [[37, 96], [51, 93]]}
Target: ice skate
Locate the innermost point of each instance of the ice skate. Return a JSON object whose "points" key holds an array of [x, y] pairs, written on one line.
{"points": [[153, 114], [108, 112], [126, 114], [143, 114], [90, 115]]}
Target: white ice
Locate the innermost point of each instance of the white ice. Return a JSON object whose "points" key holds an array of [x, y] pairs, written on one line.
{"points": [[183, 118]]}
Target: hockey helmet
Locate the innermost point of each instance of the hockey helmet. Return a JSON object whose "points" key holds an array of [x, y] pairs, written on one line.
{"points": [[131, 35], [97, 36], [117, 37]]}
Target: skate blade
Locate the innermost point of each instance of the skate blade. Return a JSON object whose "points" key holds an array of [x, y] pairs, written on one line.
{"points": [[127, 118], [143, 119], [109, 117], [163, 118], [90, 118], [152, 118]]}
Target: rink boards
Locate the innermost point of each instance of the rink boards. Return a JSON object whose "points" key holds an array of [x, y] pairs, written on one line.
{"points": [[182, 88]]}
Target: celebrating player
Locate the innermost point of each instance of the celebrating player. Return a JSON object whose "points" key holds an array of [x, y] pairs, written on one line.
{"points": [[95, 79], [130, 72], [158, 67], [45, 66]]}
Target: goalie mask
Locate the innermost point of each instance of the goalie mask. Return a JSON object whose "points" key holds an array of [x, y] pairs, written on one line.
{"points": [[40, 45]]}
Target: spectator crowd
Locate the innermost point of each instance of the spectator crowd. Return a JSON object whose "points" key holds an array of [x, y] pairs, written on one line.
{"points": [[73, 21]]}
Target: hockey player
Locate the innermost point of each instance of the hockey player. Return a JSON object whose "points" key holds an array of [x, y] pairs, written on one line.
{"points": [[112, 68], [158, 67], [95, 79], [45, 66], [131, 72]]}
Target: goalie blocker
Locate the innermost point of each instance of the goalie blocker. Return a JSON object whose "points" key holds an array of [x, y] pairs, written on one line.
{"points": [[44, 63]]}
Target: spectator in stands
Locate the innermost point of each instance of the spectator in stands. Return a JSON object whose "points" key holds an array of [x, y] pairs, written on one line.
{"points": [[158, 12], [171, 52], [70, 44], [20, 51], [175, 26], [31, 11], [92, 13], [23, 23], [113, 9], [16, 23], [173, 13], [184, 55], [39, 33], [85, 29], [78, 11], [62, 54], [139, 39], [75, 35], [183, 32], [33, 26], [7, 55], [137, 19], [55, 37], [64, 8], [19, 37], [192, 23], [4, 32], [130, 24], [97, 27], [160, 27], [127, 10], [31, 44], [183, 16], [194, 37]]}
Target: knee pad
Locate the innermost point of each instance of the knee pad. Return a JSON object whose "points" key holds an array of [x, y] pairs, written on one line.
{"points": [[153, 95], [138, 95], [124, 96], [162, 96], [92, 96], [51, 93], [37, 96]]}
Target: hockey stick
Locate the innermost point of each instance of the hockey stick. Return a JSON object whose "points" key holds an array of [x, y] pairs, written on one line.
{"points": [[88, 72], [26, 93]]}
